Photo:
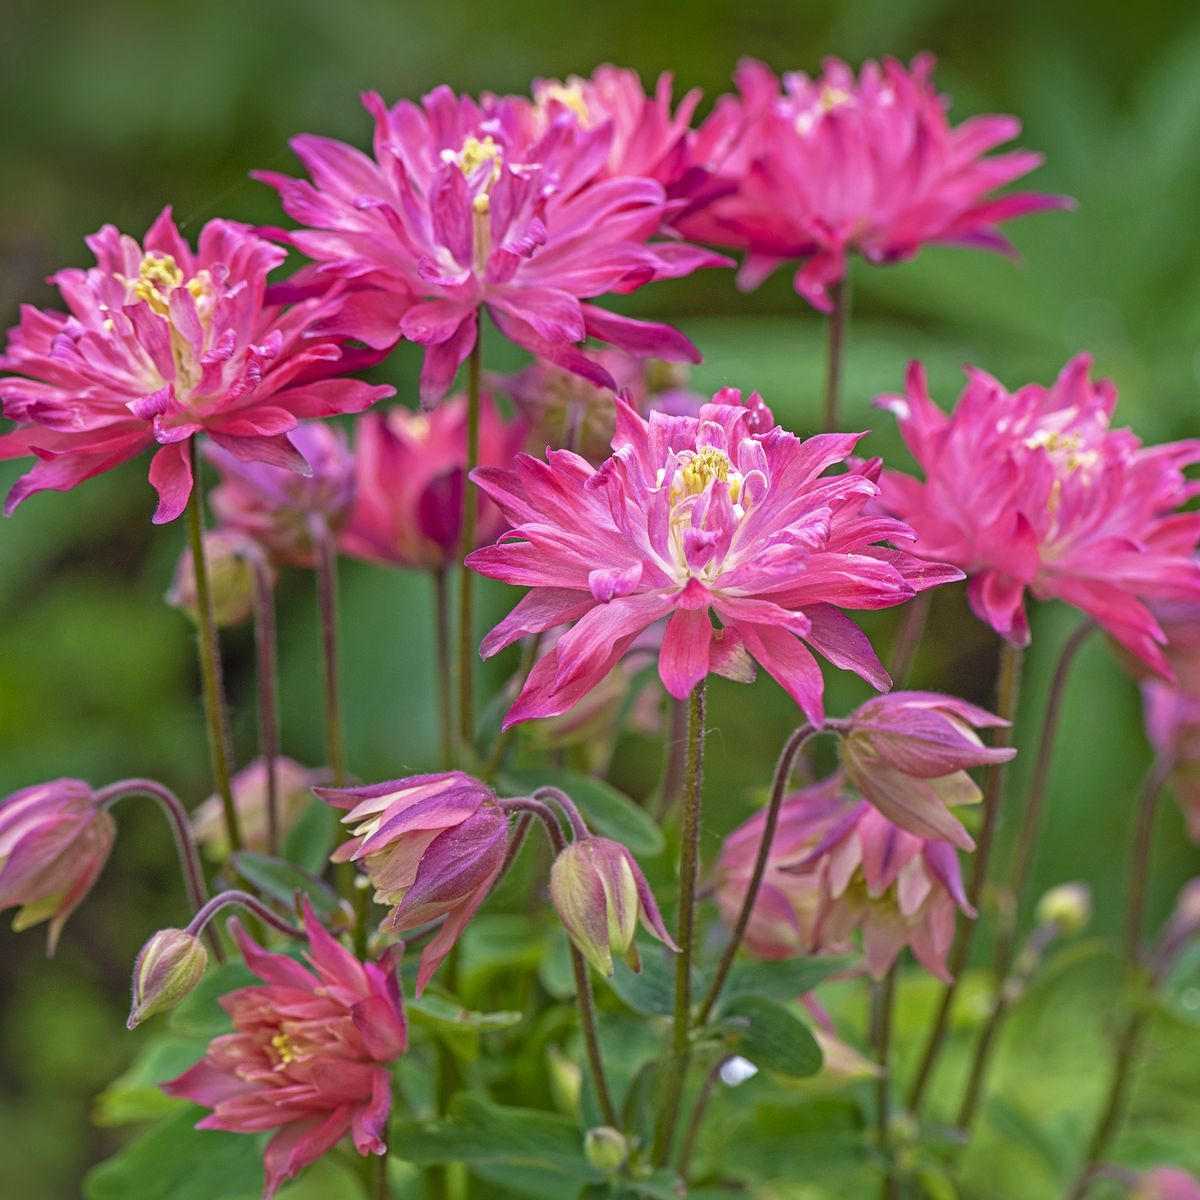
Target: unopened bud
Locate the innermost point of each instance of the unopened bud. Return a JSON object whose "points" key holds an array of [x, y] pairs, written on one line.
{"points": [[230, 579], [606, 1149], [1068, 906], [168, 967]]}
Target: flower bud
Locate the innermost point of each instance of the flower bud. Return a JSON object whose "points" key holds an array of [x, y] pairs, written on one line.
{"points": [[169, 966], [606, 1149], [230, 580], [1068, 906], [600, 894]]}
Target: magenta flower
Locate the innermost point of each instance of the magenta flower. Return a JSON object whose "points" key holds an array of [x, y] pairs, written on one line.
{"points": [[466, 206], [908, 754], [822, 167], [274, 506], [722, 512], [309, 1055], [159, 344], [1166, 1183], [1033, 490], [410, 473], [898, 889], [783, 921], [54, 842], [432, 845]]}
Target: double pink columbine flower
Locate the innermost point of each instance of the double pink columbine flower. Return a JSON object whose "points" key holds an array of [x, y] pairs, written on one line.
{"points": [[467, 205], [1033, 491], [160, 343], [432, 846], [310, 1054], [721, 514], [815, 169], [54, 842]]}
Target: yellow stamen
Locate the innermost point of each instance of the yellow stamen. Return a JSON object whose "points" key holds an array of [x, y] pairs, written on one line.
{"points": [[474, 154], [708, 464], [158, 276], [282, 1045], [570, 95]]}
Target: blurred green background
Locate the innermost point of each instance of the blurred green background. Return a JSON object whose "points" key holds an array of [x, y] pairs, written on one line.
{"points": [[113, 109]]}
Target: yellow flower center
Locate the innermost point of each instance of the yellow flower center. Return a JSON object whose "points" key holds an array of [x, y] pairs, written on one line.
{"points": [[474, 153], [284, 1048], [570, 95], [700, 469]]}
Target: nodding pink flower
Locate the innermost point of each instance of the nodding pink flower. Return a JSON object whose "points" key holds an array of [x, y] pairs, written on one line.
{"points": [[465, 206], [432, 846], [293, 790], [648, 139], [1032, 490], [274, 506], [309, 1055], [721, 513], [783, 921], [908, 754], [898, 889], [819, 168], [54, 842], [567, 410], [1166, 1183], [410, 475], [159, 344]]}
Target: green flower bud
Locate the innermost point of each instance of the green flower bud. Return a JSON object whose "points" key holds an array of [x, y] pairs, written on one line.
{"points": [[169, 966], [1069, 906], [606, 1149]]}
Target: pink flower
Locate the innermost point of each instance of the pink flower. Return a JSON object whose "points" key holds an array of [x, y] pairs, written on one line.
{"points": [[826, 166], [783, 921], [274, 506], [719, 512], [908, 754], [54, 842], [1033, 490], [432, 845], [898, 889], [410, 471], [159, 344], [1166, 1183], [466, 205], [309, 1056]]}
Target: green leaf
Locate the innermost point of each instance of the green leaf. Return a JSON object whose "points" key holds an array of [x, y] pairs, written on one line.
{"points": [[135, 1095], [278, 880], [310, 841], [779, 979], [606, 810], [771, 1036], [652, 991], [443, 1015], [536, 1154]]}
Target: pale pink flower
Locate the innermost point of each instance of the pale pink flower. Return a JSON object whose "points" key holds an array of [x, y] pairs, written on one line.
{"points": [[275, 507], [159, 344], [432, 846], [783, 921], [724, 512], [465, 205], [54, 842], [310, 1054], [1032, 490], [1166, 1183], [815, 169], [898, 889], [410, 474]]}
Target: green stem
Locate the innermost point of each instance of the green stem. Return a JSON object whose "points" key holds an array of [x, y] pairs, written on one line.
{"points": [[466, 591], [325, 562], [689, 866], [838, 317], [442, 664], [696, 1122], [210, 656], [268, 709], [1008, 687], [783, 772], [883, 1000]]}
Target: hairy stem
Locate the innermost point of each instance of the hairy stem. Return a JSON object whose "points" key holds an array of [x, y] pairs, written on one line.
{"points": [[696, 1121], [570, 810], [325, 564], [251, 904], [442, 664], [268, 708], [883, 1000], [466, 591], [838, 317]]}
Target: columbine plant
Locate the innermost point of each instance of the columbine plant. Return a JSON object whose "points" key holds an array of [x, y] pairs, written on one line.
{"points": [[655, 532]]}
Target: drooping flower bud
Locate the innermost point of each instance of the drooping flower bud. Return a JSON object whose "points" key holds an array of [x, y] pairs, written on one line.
{"points": [[600, 895], [168, 967], [1166, 1183], [908, 754], [230, 580], [606, 1149], [1068, 906], [54, 841]]}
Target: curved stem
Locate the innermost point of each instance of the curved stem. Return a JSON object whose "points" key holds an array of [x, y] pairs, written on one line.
{"points": [[1018, 875], [1008, 687], [838, 317], [689, 866], [442, 664], [574, 817], [327, 598], [883, 999], [210, 656], [251, 904], [466, 591], [268, 709], [783, 771], [696, 1120]]}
